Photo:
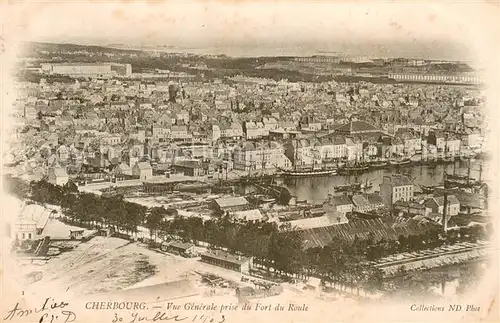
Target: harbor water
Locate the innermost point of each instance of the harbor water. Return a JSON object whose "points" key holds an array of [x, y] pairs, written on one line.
{"points": [[316, 189]]}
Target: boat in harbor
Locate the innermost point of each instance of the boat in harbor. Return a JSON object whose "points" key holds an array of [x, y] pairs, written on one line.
{"points": [[444, 160], [354, 187], [378, 164], [348, 187], [353, 169], [348, 170], [454, 177], [461, 181], [428, 189], [464, 181], [400, 162], [308, 173]]}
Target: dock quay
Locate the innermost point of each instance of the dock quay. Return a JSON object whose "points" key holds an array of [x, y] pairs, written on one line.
{"points": [[432, 258]]}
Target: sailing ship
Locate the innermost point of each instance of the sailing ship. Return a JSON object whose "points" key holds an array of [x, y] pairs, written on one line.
{"points": [[356, 186], [355, 168], [304, 172], [308, 173], [446, 157], [348, 170], [463, 181], [401, 160]]}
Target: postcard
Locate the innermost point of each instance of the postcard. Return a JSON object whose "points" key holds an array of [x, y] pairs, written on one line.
{"points": [[249, 161]]}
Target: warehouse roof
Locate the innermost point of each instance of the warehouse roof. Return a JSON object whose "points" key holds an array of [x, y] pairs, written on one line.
{"points": [[231, 201], [225, 256]]}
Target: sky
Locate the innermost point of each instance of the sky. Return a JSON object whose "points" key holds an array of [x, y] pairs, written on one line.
{"points": [[420, 29]]}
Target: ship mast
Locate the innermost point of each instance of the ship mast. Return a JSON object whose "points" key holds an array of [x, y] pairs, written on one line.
{"points": [[421, 150], [480, 172], [468, 172], [263, 166], [445, 147], [444, 177], [295, 148]]}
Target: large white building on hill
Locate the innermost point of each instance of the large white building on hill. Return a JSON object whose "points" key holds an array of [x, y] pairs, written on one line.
{"points": [[87, 69]]}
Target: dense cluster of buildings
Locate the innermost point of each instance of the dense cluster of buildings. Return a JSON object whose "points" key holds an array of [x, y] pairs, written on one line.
{"points": [[114, 128], [142, 128]]}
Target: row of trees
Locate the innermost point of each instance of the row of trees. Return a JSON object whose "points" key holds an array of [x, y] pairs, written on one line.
{"points": [[277, 247], [431, 238], [273, 246]]}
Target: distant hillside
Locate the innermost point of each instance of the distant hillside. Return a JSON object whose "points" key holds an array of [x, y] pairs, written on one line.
{"points": [[34, 48]]}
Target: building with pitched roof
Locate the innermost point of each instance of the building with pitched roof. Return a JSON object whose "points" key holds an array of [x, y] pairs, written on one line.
{"points": [[232, 131], [319, 222], [143, 170], [124, 169], [367, 202], [332, 147], [31, 222], [356, 127], [396, 188], [410, 207], [231, 204], [226, 260], [189, 167], [436, 205], [255, 130], [181, 248], [58, 176], [341, 203], [260, 155]]}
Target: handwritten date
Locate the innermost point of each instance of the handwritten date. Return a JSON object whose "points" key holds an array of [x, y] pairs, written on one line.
{"points": [[162, 317]]}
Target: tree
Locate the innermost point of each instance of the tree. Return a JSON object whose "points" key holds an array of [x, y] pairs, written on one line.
{"points": [[45, 192], [195, 228], [153, 219], [70, 187], [16, 187], [135, 214], [373, 278]]}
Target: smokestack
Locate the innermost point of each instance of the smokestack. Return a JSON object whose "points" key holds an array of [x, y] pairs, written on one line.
{"points": [[445, 212]]}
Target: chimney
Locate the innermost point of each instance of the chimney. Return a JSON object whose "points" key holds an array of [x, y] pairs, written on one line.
{"points": [[445, 211]]}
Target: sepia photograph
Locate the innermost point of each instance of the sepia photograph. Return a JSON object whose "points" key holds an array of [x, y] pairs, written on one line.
{"points": [[220, 161]]}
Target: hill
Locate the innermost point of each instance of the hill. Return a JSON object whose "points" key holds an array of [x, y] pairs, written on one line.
{"points": [[35, 48]]}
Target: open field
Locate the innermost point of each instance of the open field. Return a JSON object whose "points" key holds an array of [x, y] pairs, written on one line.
{"points": [[104, 264], [107, 265]]}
